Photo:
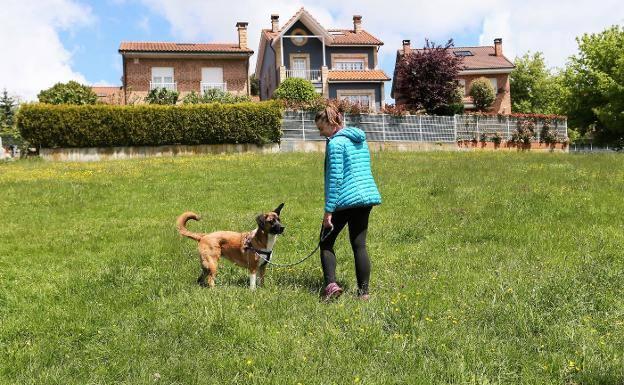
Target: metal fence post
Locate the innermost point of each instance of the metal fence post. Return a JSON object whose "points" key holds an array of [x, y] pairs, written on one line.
{"points": [[455, 127], [420, 128], [383, 126], [508, 132], [303, 125], [477, 127]]}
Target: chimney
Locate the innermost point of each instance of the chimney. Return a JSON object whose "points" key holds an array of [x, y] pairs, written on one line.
{"points": [[241, 26], [274, 23], [407, 48], [498, 47], [357, 23]]}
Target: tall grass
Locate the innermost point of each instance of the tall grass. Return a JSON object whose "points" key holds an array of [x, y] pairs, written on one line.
{"points": [[488, 268]]}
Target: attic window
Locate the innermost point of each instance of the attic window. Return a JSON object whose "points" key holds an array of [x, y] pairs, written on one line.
{"points": [[185, 44], [463, 53], [336, 33]]}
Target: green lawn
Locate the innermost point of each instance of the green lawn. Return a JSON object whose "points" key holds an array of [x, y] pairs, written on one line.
{"points": [[488, 268]]}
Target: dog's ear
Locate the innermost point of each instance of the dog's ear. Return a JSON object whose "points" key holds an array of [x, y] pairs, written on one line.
{"points": [[278, 209], [260, 220]]}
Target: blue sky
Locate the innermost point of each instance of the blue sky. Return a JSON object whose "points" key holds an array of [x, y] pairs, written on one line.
{"points": [[47, 41]]}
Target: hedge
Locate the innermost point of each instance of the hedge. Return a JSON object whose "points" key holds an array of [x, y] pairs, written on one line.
{"points": [[49, 126]]}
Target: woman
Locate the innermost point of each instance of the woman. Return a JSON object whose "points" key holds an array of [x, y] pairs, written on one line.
{"points": [[350, 194]]}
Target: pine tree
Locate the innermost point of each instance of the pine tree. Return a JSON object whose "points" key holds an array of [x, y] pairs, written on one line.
{"points": [[8, 106]]}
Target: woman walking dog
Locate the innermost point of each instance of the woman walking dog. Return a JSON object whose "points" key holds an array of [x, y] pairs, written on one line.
{"points": [[350, 194]]}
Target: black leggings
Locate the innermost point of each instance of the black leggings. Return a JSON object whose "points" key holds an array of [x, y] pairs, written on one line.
{"points": [[357, 218]]}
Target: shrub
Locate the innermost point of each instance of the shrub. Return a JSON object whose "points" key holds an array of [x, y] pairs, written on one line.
{"points": [[71, 92], [482, 94], [525, 132], [149, 125], [214, 96], [296, 90], [254, 85], [162, 96]]}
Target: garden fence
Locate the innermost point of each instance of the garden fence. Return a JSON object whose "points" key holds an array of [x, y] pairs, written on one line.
{"points": [[299, 125]]}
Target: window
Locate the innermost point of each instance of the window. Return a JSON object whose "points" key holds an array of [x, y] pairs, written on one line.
{"points": [[462, 86], [299, 37], [463, 53], [212, 77], [349, 65], [365, 98], [162, 77], [494, 84]]}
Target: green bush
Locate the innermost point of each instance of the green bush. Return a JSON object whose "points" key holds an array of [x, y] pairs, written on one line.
{"points": [[71, 92], [214, 96], [162, 96], [482, 93], [296, 90], [51, 126]]}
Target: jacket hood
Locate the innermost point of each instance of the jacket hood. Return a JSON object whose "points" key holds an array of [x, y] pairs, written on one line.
{"points": [[353, 133]]}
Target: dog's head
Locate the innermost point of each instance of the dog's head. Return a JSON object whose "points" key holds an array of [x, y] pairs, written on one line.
{"points": [[270, 222]]}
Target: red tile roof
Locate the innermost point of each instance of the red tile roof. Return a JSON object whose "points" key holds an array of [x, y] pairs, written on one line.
{"points": [[357, 75], [482, 58], [103, 91], [135, 46], [349, 37]]}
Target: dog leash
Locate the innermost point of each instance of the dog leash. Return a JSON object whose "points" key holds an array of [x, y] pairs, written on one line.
{"points": [[322, 236]]}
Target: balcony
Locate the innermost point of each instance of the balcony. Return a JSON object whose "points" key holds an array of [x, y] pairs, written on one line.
{"points": [[205, 86], [312, 75], [169, 86]]}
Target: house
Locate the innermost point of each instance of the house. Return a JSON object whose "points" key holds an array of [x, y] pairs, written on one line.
{"points": [[483, 61], [341, 63], [108, 94], [185, 67]]}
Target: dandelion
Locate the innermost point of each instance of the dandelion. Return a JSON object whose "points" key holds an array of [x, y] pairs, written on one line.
{"points": [[249, 362], [356, 380], [428, 319]]}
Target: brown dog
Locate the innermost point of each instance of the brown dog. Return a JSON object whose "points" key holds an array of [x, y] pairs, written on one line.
{"points": [[244, 249]]}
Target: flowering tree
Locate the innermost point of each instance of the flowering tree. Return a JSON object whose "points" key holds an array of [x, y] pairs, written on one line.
{"points": [[426, 78]]}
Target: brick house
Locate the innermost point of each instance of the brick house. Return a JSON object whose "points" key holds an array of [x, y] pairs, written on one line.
{"points": [[341, 63], [185, 67], [484, 61]]}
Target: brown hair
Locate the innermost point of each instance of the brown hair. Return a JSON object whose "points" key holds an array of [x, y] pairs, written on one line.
{"points": [[331, 115]]}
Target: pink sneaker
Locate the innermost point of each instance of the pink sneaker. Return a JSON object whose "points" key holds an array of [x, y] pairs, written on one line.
{"points": [[332, 291]]}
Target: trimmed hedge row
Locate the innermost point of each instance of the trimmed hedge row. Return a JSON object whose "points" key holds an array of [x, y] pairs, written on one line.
{"points": [[49, 126]]}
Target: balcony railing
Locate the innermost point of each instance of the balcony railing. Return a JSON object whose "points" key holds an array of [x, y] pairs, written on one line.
{"points": [[311, 75], [205, 86], [170, 86]]}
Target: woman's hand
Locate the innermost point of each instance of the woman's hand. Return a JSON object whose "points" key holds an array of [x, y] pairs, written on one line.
{"points": [[327, 220]]}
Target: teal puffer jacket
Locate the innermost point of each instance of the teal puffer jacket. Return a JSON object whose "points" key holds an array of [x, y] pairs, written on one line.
{"points": [[348, 178]]}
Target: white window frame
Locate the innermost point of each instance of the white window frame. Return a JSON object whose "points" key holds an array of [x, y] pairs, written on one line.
{"points": [[349, 64], [216, 83], [357, 94], [462, 85], [494, 83], [163, 77]]}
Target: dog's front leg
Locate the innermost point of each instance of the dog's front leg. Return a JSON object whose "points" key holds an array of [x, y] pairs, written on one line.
{"points": [[252, 280], [261, 272]]}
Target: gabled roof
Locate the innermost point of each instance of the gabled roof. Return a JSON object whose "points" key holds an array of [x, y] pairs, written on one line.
{"points": [[334, 36], [482, 58], [310, 22], [369, 75], [171, 47]]}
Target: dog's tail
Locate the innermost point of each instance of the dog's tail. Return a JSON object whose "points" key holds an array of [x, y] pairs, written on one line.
{"points": [[181, 225]]}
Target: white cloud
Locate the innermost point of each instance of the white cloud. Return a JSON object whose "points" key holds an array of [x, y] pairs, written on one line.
{"points": [[33, 56]]}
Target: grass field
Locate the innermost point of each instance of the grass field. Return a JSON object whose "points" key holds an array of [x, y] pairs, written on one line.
{"points": [[488, 268]]}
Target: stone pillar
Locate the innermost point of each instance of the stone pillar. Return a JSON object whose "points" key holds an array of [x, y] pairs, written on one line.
{"points": [[325, 80]]}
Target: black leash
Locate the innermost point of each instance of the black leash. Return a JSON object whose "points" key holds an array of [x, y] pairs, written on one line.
{"points": [[322, 236]]}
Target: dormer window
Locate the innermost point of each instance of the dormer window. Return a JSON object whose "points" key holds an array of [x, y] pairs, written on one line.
{"points": [[463, 53]]}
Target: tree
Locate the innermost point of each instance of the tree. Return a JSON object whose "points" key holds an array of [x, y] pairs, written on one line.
{"points": [[254, 85], [426, 78], [71, 92], [8, 106], [594, 80], [162, 96], [482, 93], [296, 90], [534, 89]]}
